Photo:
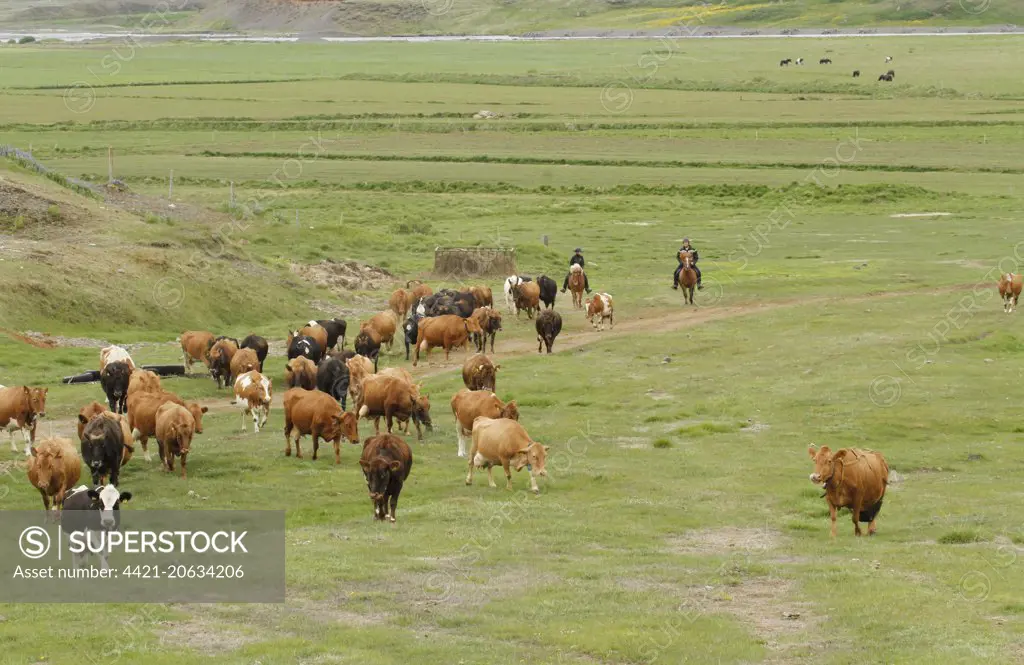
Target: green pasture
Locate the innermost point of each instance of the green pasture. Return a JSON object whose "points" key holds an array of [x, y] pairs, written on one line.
{"points": [[850, 236]]}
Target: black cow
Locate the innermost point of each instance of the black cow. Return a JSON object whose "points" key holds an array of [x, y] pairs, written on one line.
{"points": [[332, 378], [103, 447], [114, 381], [787, 61], [891, 73], [464, 303], [885, 77], [335, 330], [825, 61], [304, 345], [439, 304], [88, 510], [411, 328], [257, 344], [548, 289], [366, 347], [856, 73], [549, 324]]}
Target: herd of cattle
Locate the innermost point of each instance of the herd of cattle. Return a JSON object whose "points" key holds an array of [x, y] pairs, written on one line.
{"points": [[887, 76]]}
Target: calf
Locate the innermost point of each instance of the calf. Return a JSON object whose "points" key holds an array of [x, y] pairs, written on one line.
{"points": [[854, 479], [393, 398], [386, 463], [335, 331], [304, 346], [447, 331], [359, 367], [300, 373], [92, 510], [221, 354], [114, 380], [143, 381], [315, 413], [195, 345], [175, 427], [112, 354], [332, 377], [245, 360], [600, 307], [549, 324], [105, 439], [504, 441], [489, 320], [142, 410], [548, 290], [253, 394], [479, 373], [467, 405], [526, 297], [1009, 290], [21, 408], [53, 469], [257, 344]]}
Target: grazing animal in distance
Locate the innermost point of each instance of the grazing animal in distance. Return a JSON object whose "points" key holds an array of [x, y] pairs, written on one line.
{"points": [[335, 331], [599, 308], [787, 61], [1009, 290], [854, 479], [195, 345], [386, 462], [549, 324], [114, 380], [825, 61], [548, 290], [317, 332], [257, 344], [885, 77], [510, 282], [891, 73], [504, 441], [368, 346], [393, 397], [888, 58], [489, 320], [54, 468], [856, 73], [400, 302], [411, 329], [482, 296], [381, 327]]}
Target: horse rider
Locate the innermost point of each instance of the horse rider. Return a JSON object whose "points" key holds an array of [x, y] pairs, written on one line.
{"points": [[687, 247], [576, 259]]}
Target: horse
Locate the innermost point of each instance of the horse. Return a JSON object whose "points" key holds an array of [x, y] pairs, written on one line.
{"points": [[687, 277], [576, 285]]}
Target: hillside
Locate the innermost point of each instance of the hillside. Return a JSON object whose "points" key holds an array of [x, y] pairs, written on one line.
{"points": [[435, 17]]}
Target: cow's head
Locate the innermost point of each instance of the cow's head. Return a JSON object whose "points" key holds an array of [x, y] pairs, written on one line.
{"points": [[421, 411], [473, 326], [108, 500], [510, 410], [197, 412], [534, 456], [378, 476], [43, 463], [344, 424], [37, 401], [824, 464]]}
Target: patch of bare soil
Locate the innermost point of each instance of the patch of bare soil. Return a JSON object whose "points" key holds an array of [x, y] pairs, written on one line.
{"points": [[23, 210], [765, 606], [204, 637], [726, 540], [32, 340], [344, 275]]}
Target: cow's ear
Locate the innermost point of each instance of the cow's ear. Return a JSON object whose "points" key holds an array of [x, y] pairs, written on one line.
{"points": [[126, 496], [812, 451], [82, 419], [395, 465], [205, 409], [363, 463], [94, 495], [547, 448], [34, 451], [46, 390]]}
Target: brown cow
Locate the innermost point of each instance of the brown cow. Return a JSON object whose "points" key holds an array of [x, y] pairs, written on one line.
{"points": [[419, 291], [300, 372], [504, 441], [253, 394], [526, 296], [489, 320], [244, 360], [386, 462], [482, 295], [143, 380], [21, 408], [479, 373], [467, 405], [175, 427], [142, 410], [600, 307], [221, 354], [359, 367], [393, 398], [1009, 289], [113, 354], [86, 414], [317, 332], [195, 345], [854, 479], [53, 468], [400, 302], [318, 414], [447, 331], [381, 327]]}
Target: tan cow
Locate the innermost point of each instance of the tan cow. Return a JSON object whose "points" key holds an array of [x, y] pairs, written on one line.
{"points": [[526, 296], [482, 295], [86, 414], [479, 373], [300, 372], [319, 415], [504, 441], [21, 408], [53, 468], [359, 367], [142, 380], [195, 345], [600, 307], [221, 354], [854, 479], [467, 405], [253, 395], [393, 397], [419, 291], [244, 360], [142, 410], [317, 332], [113, 354], [400, 302], [175, 427], [1009, 290], [448, 331], [381, 327]]}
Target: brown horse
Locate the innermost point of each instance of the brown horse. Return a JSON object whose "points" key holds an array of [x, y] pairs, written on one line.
{"points": [[687, 276], [576, 285]]}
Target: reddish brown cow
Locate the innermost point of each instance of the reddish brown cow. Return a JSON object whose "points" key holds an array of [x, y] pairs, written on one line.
{"points": [[526, 296], [479, 373], [318, 414], [86, 414], [300, 372], [142, 410], [221, 354], [400, 302], [175, 427], [21, 408], [420, 291], [393, 398], [504, 441], [1009, 290], [144, 381], [359, 367], [244, 360], [448, 331], [317, 332], [386, 462], [854, 479], [381, 327], [489, 320], [195, 345], [483, 296], [467, 405], [600, 307], [54, 468]]}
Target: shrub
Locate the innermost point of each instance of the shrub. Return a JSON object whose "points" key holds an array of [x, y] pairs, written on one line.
{"points": [[963, 537], [662, 443], [26, 40]]}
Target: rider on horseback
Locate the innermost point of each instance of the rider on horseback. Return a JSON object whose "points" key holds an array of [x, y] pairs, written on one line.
{"points": [[576, 259], [693, 264]]}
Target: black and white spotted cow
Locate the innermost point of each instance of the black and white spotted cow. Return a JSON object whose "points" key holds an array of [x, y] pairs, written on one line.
{"points": [[88, 513]]}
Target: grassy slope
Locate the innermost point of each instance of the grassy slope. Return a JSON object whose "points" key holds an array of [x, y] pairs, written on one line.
{"points": [[689, 553]]}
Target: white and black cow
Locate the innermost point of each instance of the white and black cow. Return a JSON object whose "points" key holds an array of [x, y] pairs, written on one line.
{"points": [[92, 511], [511, 282]]}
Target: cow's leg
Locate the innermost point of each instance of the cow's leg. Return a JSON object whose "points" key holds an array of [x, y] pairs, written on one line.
{"points": [[46, 500], [508, 475], [288, 439], [257, 415], [419, 431], [832, 516], [389, 417], [533, 483], [855, 512], [115, 472], [316, 444], [469, 474], [298, 451], [14, 447], [184, 457], [337, 449], [394, 506], [540, 342], [376, 425], [462, 439], [186, 361], [169, 460]]}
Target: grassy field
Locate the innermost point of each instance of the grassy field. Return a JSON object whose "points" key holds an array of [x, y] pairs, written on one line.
{"points": [[850, 236]]}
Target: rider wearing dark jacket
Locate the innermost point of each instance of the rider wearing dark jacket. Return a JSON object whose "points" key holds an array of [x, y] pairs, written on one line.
{"points": [[575, 259], [687, 247]]}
